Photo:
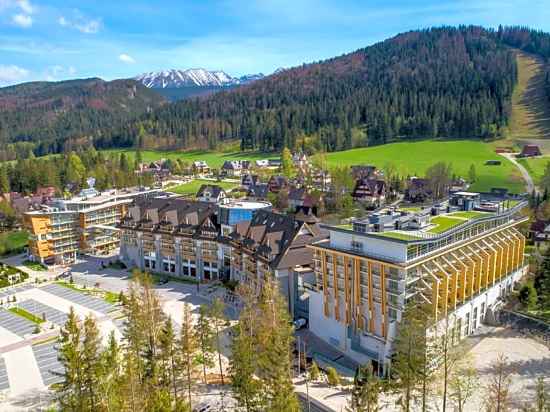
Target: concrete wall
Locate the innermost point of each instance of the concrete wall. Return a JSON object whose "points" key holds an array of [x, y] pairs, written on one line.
{"points": [[376, 247]]}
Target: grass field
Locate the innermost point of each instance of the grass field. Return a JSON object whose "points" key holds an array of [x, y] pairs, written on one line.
{"points": [[444, 223], [193, 187], [12, 242], [413, 158], [213, 159], [535, 166], [27, 315]]}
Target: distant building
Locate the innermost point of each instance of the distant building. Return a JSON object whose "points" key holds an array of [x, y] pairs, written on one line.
{"points": [[200, 167], [262, 163], [277, 183], [418, 190], [530, 150], [370, 190], [258, 191], [235, 167], [248, 180], [211, 194], [364, 171]]}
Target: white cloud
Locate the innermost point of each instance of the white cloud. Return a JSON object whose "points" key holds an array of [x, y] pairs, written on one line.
{"points": [[71, 70], [22, 20], [125, 58], [81, 23], [10, 74], [25, 6]]}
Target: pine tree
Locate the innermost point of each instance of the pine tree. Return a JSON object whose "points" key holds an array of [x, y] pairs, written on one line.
{"points": [[170, 361], [333, 378], [188, 348], [92, 368], [111, 384], [366, 390], [287, 165], [205, 339], [472, 175], [275, 343], [4, 181], [70, 390], [314, 371], [218, 319]]}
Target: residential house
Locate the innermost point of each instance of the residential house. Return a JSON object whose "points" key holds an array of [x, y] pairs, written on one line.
{"points": [[211, 194], [364, 171], [276, 183], [248, 180], [370, 190], [235, 167], [258, 191], [200, 167], [530, 150], [418, 190]]}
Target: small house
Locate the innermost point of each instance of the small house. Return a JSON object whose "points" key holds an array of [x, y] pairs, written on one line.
{"points": [[200, 167], [530, 150], [211, 194]]}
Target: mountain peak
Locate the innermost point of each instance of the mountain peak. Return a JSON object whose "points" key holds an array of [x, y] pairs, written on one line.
{"points": [[195, 77]]}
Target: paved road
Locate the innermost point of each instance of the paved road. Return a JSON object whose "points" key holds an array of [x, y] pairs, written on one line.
{"points": [[524, 173]]}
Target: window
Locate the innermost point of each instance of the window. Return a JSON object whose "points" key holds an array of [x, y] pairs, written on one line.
{"points": [[392, 313], [357, 246]]}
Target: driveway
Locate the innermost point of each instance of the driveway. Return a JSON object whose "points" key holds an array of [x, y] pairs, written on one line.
{"points": [[524, 173]]}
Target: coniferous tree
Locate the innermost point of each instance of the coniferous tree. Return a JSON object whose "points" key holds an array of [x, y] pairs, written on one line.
{"points": [[188, 348], [205, 338], [170, 361], [111, 384], [70, 390], [367, 387], [218, 319], [92, 368]]}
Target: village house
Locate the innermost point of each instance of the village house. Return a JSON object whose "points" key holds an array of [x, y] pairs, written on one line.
{"points": [[370, 190], [276, 183], [258, 191], [365, 171], [200, 167], [530, 150], [234, 168], [248, 180], [211, 194], [418, 190]]}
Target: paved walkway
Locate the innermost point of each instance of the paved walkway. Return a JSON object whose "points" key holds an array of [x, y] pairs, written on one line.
{"points": [[23, 373], [524, 173]]}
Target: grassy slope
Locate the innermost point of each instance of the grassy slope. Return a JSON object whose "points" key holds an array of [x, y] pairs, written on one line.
{"points": [[530, 118], [214, 159], [413, 158], [193, 187], [11, 241]]}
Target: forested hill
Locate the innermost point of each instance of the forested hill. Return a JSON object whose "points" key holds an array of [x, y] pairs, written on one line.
{"points": [[444, 82], [48, 117]]}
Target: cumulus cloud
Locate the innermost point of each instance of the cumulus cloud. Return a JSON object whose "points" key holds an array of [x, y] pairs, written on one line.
{"points": [[125, 58], [10, 74], [80, 23], [22, 20]]}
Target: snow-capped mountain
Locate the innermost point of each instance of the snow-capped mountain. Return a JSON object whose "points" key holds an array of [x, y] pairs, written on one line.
{"points": [[193, 78]]}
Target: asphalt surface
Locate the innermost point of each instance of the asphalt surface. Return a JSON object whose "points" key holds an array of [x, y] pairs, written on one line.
{"points": [[79, 298], [4, 383], [15, 323], [524, 173], [42, 311], [51, 369]]}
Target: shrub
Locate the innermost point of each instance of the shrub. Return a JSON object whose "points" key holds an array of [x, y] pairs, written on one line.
{"points": [[332, 377], [314, 371], [528, 296]]}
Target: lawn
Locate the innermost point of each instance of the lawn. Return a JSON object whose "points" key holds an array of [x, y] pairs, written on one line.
{"points": [[444, 223], [27, 315], [193, 187], [535, 166], [36, 266], [413, 158], [397, 235], [470, 214], [13, 242], [213, 159]]}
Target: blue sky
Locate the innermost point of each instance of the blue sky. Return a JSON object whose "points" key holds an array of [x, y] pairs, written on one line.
{"points": [[60, 39]]}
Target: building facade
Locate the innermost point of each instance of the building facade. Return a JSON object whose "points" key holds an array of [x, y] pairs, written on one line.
{"points": [[85, 223], [461, 265]]}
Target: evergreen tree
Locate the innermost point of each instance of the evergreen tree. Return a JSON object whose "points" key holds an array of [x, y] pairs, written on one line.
{"points": [[92, 368], [188, 348], [366, 390], [111, 384], [472, 175], [4, 181], [205, 338], [218, 319], [170, 361], [70, 390], [287, 164]]}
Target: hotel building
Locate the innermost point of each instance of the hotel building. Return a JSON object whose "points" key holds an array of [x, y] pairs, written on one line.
{"points": [[460, 263], [86, 223]]}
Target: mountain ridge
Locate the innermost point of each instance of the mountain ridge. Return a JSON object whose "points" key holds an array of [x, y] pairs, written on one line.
{"points": [[198, 77]]}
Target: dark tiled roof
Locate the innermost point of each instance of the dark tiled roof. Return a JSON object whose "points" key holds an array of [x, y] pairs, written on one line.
{"points": [[259, 190], [209, 191]]}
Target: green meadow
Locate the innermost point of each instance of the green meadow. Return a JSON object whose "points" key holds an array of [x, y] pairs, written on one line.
{"points": [[413, 158]]}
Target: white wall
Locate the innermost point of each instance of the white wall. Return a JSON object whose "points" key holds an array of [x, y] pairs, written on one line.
{"points": [[377, 247]]}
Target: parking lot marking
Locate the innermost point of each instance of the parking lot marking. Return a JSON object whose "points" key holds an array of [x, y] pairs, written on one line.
{"points": [[43, 311], [4, 383], [51, 369], [16, 324], [79, 298]]}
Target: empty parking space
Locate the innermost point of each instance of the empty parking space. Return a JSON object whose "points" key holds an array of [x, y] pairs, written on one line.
{"points": [[51, 369], [79, 298], [44, 311], [14, 289], [4, 383], [16, 324]]}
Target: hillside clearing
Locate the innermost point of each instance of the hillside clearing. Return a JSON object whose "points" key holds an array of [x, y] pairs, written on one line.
{"points": [[413, 158], [193, 187], [530, 118]]}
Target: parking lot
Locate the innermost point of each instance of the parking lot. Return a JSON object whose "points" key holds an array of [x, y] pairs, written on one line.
{"points": [[43, 311], [15, 324], [46, 356], [79, 298], [4, 383]]}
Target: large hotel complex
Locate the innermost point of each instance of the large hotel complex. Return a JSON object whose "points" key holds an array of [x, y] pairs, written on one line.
{"points": [[352, 282]]}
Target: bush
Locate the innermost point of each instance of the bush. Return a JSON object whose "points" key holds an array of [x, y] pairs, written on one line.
{"points": [[314, 371], [332, 377], [528, 296]]}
